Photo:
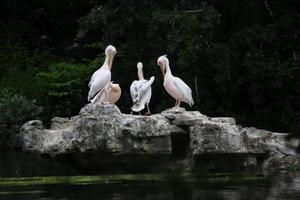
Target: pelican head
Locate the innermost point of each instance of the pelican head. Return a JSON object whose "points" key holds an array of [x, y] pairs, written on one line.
{"points": [[162, 62], [139, 65], [140, 70], [110, 49], [110, 52]]}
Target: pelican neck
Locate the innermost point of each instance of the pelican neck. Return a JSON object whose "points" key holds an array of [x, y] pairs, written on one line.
{"points": [[106, 61], [168, 70], [140, 74]]}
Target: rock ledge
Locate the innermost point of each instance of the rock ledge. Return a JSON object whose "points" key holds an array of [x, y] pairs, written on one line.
{"points": [[176, 133]]}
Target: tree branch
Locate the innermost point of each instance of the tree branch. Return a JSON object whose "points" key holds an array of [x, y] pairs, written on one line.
{"points": [[269, 9]]}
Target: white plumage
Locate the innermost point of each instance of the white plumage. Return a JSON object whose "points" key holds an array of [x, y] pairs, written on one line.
{"points": [[176, 87], [140, 91], [102, 76]]}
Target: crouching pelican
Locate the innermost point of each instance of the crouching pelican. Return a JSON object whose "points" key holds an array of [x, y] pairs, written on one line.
{"points": [[111, 94], [141, 91], [178, 89], [102, 76]]}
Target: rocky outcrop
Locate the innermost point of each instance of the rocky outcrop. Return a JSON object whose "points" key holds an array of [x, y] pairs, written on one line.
{"points": [[105, 130], [102, 128]]}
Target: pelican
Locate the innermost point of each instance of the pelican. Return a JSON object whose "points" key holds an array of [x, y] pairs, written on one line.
{"points": [[102, 76], [141, 91], [178, 89], [111, 94]]}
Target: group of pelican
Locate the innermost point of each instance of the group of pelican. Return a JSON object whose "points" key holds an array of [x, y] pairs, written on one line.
{"points": [[102, 89]]}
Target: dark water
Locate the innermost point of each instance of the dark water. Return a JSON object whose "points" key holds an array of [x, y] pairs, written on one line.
{"points": [[40, 184], [280, 187]]}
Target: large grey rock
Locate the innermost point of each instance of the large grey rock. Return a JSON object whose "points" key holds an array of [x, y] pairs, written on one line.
{"points": [[102, 128], [255, 139], [105, 130], [212, 137]]}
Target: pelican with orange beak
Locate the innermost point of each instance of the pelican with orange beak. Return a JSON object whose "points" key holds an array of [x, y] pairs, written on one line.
{"points": [[102, 76], [178, 89]]}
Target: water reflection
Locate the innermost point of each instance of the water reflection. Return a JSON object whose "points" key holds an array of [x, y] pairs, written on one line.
{"points": [[280, 187]]}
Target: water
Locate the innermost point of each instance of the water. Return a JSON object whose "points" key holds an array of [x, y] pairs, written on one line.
{"points": [[131, 187], [30, 177]]}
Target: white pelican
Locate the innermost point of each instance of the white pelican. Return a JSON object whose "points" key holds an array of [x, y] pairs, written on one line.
{"points": [[102, 76], [111, 94], [141, 91], [178, 89]]}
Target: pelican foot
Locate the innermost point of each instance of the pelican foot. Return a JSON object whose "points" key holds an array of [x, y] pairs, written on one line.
{"points": [[177, 109], [148, 114]]}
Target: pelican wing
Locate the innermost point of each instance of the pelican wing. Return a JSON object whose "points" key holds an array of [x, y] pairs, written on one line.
{"points": [[98, 98], [98, 81], [92, 79], [141, 93], [146, 86], [135, 88], [139, 88], [101, 96], [184, 89]]}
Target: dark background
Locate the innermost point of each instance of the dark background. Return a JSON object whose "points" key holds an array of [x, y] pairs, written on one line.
{"points": [[241, 58]]}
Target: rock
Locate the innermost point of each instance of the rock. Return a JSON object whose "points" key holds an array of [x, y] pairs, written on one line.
{"points": [[229, 120], [209, 137], [99, 128], [100, 109], [30, 132], [178, 130], [264, 140], [145, 126], [59, 123], [181, 117], [177, 133], [282, 162], [250, 161]]}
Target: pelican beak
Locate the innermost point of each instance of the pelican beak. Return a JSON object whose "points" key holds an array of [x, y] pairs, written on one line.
{"points": [[162, 68], [110, 60]]}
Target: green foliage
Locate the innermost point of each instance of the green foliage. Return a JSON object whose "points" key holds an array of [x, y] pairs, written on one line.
{"points": [[19, 66], [15, 111], [62, 79], [64, 86]]}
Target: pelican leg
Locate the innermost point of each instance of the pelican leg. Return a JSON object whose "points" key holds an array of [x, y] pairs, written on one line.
{"points": [[148, 110], [106, 94], [175, 103], [97, 99], [178, 103]]}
